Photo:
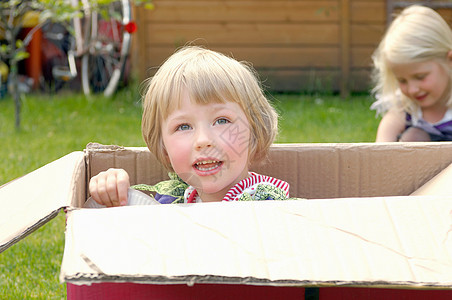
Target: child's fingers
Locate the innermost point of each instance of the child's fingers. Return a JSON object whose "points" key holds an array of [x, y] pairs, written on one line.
{"points": [[93, 190], [117, 183], [97, 189], [110, 187], [100, 189], [123, 184]]}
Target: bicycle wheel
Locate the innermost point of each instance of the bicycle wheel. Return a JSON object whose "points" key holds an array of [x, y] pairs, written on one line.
{"points": [[54, 48], [108, 48]]}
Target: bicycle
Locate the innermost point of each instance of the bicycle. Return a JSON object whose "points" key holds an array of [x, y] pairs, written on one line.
{"points": [[99, 47]]}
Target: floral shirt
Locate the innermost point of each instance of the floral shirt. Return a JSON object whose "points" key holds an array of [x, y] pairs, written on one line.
{"points": [[254, 188]]}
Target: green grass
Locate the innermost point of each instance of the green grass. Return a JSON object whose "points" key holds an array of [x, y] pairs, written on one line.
{"points": [[53, 126], [325, 119]]}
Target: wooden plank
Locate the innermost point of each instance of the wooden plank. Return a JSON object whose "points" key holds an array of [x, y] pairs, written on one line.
{"points": [[297, 80], [243, 34], [315, 80], [361, 57], [446, 14], [312, 80], [270, 58], [345, 48], [368, 12], [139, 38], [309, 80], [243, 11], [366, 34]]}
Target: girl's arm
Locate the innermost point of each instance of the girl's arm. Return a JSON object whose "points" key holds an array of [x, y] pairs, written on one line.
{"points": [[110, 187], [391, 126]]}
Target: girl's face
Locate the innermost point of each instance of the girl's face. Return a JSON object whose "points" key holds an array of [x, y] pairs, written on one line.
{"points": [[207, 146], [426, 83]]}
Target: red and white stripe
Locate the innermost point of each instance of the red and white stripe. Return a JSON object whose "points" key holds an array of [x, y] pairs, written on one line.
{"points": [[254, 179]]}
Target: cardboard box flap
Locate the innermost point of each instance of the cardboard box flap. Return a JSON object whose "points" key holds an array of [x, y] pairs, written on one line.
{"points": [[387, 241], [440, 185], [30, 201]]}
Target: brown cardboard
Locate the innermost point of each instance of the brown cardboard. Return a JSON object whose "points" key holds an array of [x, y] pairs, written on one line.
{"points": [[314, 171], [361, 229]]}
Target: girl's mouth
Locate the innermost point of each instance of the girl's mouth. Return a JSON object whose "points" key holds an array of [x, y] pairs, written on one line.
{"points": [[420, 98], [207, 165]]}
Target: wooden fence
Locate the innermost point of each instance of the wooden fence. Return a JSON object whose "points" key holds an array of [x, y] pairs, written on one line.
{"points": [[295, 45]]}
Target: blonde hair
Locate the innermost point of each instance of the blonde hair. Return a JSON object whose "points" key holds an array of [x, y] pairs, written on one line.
{"points": [[208, 76], [418, 34]]}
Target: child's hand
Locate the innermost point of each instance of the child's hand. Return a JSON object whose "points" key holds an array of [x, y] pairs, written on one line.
{"points": [[110, 187]]}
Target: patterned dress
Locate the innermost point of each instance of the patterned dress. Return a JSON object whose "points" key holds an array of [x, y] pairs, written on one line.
{"points": [[254, 188], [439, 131]]}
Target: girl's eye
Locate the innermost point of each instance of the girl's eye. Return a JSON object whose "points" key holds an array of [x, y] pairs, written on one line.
{"points": [[183, 127], [420, 76], [222, 121]]}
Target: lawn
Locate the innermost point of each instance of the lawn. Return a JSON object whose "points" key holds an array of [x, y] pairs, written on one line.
{"points": [[54, 125]]}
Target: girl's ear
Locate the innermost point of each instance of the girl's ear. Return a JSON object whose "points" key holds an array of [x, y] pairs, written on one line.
{"points": [[449, 58]]}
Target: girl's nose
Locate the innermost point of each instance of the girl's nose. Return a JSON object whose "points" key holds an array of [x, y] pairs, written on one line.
{"points": [[203, 139], [413, 88]]}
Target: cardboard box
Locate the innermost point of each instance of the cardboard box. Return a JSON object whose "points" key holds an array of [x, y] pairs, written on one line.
{"points": [[362, 236]]}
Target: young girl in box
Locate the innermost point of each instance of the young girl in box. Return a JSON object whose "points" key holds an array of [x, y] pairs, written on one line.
{"points": [[206, 119], [413, 78]]}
